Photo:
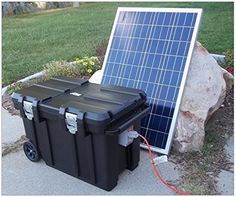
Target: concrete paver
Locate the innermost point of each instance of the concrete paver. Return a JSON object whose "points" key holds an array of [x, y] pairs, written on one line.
{"points": [[12, 127], [225, 180], [22, 177], [225, 184], [229, 148]]}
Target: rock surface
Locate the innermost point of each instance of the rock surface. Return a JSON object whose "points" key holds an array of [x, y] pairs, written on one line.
{"points": [[204, 92], [41, 4], [76, 4], [14, 8], [53, 5], [96, 77]]}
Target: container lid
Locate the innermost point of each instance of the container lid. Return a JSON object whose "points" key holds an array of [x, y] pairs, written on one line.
{"points": [[99, 102], [92, 102], [48, 89]]}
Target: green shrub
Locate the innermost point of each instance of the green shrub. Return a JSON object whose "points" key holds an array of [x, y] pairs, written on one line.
{"points": [[61, 68], [14, 87], [79, 68], [87, 66], [19, 85]]}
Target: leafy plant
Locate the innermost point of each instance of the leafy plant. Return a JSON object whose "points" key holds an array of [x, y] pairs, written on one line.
{"points": [[19, 85], [14, 87], [229, 61], [87, 66], [61, 68], [79, 68]]}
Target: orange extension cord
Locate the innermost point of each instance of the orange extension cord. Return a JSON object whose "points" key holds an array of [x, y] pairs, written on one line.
{"points": [[157, 173]]}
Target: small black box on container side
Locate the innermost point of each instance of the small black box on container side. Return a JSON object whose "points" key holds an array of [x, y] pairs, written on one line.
{"points": [[78, 127]]}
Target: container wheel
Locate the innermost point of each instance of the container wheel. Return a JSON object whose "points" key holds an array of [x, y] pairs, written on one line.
{"points": [[31, 151]]}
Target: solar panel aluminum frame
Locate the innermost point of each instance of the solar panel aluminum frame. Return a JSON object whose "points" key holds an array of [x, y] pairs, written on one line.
{"points": [[198, 11]]}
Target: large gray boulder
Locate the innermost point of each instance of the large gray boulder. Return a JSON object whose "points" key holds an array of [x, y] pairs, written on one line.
{"points": [[14, 8], [41, 4], [7, 9], [204, 92]]}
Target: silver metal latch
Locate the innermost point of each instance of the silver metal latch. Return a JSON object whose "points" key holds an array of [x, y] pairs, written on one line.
{"points": [[27, 106], [71, 122]]}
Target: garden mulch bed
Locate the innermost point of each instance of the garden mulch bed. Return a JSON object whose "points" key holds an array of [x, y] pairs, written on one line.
{"points": [[9, 106], [202, 168]]}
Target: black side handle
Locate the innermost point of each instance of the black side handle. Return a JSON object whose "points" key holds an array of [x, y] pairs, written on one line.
{"points": [[129, 122], [133, 119]]}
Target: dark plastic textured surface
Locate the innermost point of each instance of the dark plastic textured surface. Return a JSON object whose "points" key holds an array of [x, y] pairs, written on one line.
{"points": [[100, 103], [93, 153]]}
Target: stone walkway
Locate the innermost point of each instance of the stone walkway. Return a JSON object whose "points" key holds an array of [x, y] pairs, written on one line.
{"points": [[22, 177], [225, 184]]}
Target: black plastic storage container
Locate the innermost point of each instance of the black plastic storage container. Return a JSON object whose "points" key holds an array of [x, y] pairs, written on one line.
{"points": [[80, 128]]}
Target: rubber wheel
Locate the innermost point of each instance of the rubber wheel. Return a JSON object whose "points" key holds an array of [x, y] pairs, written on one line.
{"points": [[31, 151]]}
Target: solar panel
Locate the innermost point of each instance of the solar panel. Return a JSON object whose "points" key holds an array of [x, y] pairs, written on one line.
{"points": [[150, 49]]}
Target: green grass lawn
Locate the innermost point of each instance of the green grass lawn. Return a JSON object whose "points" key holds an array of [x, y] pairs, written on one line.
{"points": [[31, 40]]}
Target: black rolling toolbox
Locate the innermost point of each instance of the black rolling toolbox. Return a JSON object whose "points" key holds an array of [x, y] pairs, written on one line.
{"points": [[81, 128]]}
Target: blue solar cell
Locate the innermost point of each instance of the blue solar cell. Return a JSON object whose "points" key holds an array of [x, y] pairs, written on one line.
{"points": [[189, 19], [174, 78], [168, 17], [152, 136], [149, 51], [181, 20], [174, 47], [178, 33], [160, 47], [163, 123], [167, 77], [161, 17], [170, 94]]}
